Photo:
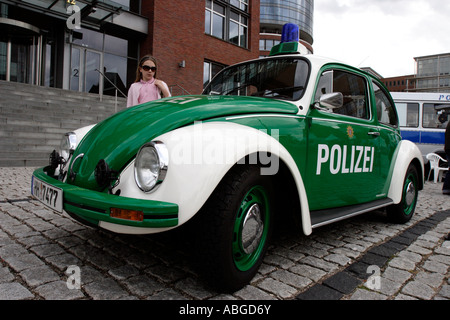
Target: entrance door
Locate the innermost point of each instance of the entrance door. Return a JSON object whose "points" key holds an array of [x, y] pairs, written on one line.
{"points": [[85, 64], [19, 58]]}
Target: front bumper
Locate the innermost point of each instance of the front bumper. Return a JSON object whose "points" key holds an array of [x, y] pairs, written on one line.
{"points": [[93, 208]]}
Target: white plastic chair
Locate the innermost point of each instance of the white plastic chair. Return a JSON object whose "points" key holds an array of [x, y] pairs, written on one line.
{"points": [[434, 166]]}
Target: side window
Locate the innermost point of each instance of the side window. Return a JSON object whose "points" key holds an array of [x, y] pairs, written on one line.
{"points": [[352, 87], [408, 114], [385, 109], [433, 117]]}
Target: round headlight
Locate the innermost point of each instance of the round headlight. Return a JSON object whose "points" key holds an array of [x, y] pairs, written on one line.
{"points": [[150, 166], [68, 145]]}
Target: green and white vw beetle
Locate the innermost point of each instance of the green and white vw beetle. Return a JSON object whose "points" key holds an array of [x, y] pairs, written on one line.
{"points": [[289, 134]]}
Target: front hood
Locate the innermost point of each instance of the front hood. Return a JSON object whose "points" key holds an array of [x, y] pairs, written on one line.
{"points": [[118, 138]]}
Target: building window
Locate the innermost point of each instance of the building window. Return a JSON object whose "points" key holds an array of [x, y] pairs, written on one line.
{"points": [[210, 69], [267, 44], [228, 20]]}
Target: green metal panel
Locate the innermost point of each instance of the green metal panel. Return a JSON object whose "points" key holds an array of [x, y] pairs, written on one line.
{"points": [[118, 138]]}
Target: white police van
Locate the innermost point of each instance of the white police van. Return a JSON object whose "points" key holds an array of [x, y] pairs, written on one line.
{"points": [[423, 117]]}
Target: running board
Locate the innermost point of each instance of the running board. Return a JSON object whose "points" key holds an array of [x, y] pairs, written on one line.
{"points": [[322, 217]]}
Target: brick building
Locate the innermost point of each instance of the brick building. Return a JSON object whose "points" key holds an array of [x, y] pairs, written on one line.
{"points": [[69, 44], [185, 39], [400, 83]]}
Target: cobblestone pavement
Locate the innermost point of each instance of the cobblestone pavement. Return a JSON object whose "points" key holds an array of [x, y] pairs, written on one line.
{"points": [[43, 254]]}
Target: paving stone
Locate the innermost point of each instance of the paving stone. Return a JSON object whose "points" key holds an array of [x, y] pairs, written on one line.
{"points": [[360, 269], [253, 293], [104, 289], [14, 291], [38, 276], [278, 261], [320, 292], [170, 294], [388, 287], [22, 262], [141, 285], [63, 261], [435, 266], [278, 288], [397, 275], [445, 292], [374, 259], [402, 263], [414, 257], [339, 259], [307, 271], [47, 250], [363, 294], [123, 272], [5, 275], [58, 290], [194, 289], [319, 263], [291, 279], [384, 251], [419, 290], [37, 246], [433, 280], [343, 282]]}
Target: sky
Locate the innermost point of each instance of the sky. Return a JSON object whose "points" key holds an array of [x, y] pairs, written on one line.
{"points": [[385, 35]]}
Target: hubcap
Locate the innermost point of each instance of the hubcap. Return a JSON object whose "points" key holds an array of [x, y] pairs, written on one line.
{"points": [[252, 229], [410, 193]]}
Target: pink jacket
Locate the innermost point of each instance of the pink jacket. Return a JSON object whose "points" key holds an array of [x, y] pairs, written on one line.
{"points": [[141, 92]]}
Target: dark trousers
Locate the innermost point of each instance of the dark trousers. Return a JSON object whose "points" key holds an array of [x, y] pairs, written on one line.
{"points": [[446, 186]]}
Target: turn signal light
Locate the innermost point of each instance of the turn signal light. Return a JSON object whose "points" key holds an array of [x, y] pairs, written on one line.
{"points": [[125, 214]]}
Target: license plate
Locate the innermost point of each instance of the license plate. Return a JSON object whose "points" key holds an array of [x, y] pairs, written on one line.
{"points": [[47, 194]]}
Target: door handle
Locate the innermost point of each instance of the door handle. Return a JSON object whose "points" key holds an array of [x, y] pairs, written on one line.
{"points": [[374, 133]]}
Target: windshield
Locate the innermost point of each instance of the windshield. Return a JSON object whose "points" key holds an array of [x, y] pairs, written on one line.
{"points": [[281, 78]]}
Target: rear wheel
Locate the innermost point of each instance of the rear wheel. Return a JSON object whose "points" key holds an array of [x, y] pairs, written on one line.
{"points": [[235, 228], [403, 212]]}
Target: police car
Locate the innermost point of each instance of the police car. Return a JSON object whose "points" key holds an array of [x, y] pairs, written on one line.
{"points": [[291, 134]]}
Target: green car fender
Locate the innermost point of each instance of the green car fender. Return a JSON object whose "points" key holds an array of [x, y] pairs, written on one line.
{"points": [[200, 156]]}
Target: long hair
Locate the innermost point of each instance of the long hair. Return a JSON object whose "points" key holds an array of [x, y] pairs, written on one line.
{"points": [[141, 63]]}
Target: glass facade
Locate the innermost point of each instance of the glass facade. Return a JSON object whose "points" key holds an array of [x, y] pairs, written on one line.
{"points": [[275, 13], [433, 73], [91, 52], [43, 43]]}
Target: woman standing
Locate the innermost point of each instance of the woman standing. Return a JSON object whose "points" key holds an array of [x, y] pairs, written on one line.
{"points": [[146, 87]]}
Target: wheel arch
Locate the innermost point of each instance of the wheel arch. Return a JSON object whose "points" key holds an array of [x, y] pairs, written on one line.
{"points": [[203, 178], [408, 154]]}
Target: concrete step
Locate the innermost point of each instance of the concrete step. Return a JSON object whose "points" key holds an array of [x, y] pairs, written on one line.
{"points": [[33, 119]]}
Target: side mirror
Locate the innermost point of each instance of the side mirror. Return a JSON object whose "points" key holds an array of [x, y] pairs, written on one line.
{"points": [[330, 101]]}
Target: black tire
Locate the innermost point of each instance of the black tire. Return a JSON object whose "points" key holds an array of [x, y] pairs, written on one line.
{"points": [[404, 211], [235, 227]]}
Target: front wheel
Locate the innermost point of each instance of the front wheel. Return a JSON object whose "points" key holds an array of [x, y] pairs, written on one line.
{"points": [[235, 228], [403, 212]]}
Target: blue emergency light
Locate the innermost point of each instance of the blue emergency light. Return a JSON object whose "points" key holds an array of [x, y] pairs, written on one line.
{"points": [[289, 41], [290, 33]]}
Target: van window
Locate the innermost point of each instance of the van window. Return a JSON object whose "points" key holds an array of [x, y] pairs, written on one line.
{"points": [[408, 114]]}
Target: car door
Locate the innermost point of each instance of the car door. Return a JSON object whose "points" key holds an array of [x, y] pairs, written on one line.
{"points": [[343, 144], [389, 134]]}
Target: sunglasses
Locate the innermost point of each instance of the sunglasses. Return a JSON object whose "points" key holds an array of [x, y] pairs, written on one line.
{"points": [[147, 68]]}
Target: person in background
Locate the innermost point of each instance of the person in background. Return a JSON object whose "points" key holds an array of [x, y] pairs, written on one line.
{"points": [[446, 186], [147, 87]]}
